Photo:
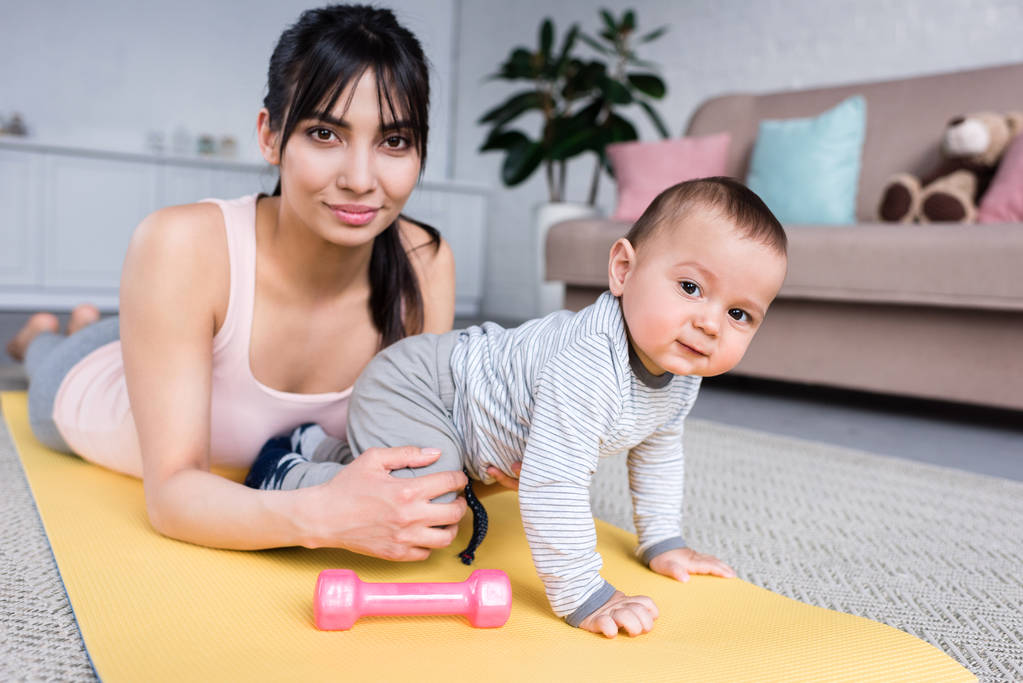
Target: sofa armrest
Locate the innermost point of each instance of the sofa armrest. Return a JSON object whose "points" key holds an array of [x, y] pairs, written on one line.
{"points": [[577, 251]]}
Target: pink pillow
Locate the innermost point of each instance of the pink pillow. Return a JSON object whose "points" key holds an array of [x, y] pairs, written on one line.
{"points": [[644, 169], [1003, 201]]}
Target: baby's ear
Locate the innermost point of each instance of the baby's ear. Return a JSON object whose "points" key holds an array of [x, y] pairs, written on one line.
{"points": [[620, 264]]}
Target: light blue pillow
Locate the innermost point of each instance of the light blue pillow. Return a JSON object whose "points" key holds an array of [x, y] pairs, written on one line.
{"points": [[808, 170]]}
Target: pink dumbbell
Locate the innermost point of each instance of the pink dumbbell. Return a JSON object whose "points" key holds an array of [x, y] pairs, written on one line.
{"points": [[341, 598]]}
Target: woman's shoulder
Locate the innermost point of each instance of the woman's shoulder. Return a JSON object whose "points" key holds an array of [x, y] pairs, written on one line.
{"points": [[185, 221], [187, 227], [179, 254], [189, 235]]}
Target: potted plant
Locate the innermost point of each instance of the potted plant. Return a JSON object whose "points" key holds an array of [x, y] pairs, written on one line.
{"points": [[580, 104]]}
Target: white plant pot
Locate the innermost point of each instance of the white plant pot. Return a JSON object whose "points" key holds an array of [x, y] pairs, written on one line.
{"points": [[550, 296]]}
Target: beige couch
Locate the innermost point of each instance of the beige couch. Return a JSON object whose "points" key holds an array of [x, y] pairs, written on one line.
{"points": [[930, 311]]}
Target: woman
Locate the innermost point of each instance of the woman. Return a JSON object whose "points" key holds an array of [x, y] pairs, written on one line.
{"points": [[241, 319]]}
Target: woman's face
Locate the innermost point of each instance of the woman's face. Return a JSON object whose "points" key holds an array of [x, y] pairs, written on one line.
{"points": [[348, 175]]}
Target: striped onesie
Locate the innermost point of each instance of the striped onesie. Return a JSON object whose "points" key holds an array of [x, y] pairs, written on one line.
{"points": [[555, 393], [558, 393]]}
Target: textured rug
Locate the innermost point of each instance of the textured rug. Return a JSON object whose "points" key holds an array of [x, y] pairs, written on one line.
{"points": [[933, 552]]}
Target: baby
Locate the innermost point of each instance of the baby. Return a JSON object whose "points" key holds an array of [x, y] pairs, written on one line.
{"points": [[689, 287]]}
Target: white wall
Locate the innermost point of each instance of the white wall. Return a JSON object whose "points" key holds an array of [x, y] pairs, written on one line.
{"points": [[714, 47], [106, 72]]}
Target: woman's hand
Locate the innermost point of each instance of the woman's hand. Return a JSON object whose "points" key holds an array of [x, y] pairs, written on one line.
{"points": [[366, 510]]}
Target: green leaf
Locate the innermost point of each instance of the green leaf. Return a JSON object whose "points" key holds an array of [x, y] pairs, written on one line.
{"points": [[628, 21], [566, 49], [512, 107], [648, 84], [581, 141], [655, 118], [609, 21], [583, 80], [653, 35], [614, 91], [546, 39], [521, 161], [619, 130], [588, 115], [518, 66], [575, 134], [503, 139], [595, 44], [583, 118]]}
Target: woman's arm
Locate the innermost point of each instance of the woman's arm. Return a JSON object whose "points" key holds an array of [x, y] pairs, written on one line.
{"points": [[175, 275]]}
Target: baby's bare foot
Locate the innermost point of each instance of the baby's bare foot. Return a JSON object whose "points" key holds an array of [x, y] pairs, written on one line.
{"points": [[82, 315], [38, 323]]}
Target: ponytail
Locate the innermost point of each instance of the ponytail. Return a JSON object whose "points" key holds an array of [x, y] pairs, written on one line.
{"points": [[395, 297]]}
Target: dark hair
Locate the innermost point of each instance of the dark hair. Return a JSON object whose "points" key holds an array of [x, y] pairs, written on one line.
{"points": [[729, 196], [314, 61]]}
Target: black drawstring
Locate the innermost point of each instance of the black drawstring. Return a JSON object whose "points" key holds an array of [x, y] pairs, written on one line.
{"points": [[479, 523]]}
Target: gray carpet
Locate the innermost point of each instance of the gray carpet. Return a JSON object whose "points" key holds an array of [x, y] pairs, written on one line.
{"points": [[935, 552], [37, 627]]}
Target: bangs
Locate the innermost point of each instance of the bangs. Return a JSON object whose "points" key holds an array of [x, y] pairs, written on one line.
{"points": [[394, 97], [402, 94]]}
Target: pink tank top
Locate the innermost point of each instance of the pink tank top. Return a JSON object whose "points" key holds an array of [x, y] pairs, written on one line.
{"points": [[91, 408]]}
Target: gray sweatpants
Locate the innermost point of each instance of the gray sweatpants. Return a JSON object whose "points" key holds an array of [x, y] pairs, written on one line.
{"points": [[48, 360], [404, 397]]}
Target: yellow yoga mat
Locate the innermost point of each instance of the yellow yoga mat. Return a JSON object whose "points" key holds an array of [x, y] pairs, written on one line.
{"points": [[153, 609]]}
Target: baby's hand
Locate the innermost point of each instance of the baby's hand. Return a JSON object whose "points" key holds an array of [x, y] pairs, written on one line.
{"points": [[634, 613], [681, 562]]}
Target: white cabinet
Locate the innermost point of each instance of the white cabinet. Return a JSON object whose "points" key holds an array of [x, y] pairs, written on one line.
{"points": [[18, 242], [67, 215], [183, 184], [90, 208]]}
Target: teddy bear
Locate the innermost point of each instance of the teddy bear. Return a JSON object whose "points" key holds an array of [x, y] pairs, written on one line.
{"points": [[971, 148]]}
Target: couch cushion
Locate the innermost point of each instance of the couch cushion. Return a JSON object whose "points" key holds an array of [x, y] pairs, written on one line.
{"points": [[1003, 201], [807, 169], [974, 266], [644, 169], [971, 266]]}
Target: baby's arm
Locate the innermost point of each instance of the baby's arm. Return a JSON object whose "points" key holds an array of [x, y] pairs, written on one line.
{"points": [[575, 400], [656, 480]]}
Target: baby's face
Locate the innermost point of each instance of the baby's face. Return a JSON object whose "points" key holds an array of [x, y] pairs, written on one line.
{"points": [[695, 293]]}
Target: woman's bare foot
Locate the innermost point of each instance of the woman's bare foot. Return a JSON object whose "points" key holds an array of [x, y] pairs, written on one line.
{"points": [[82, 315], [38, 323]]}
